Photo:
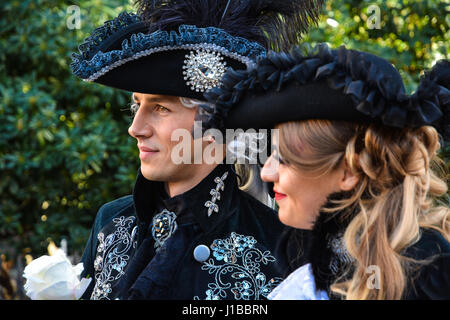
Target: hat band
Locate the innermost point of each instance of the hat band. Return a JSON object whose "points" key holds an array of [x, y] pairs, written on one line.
{"points": [[206, 46]]}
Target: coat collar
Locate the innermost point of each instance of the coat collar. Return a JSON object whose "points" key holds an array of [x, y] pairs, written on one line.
{"points": [[209, 202], [326, 251]]}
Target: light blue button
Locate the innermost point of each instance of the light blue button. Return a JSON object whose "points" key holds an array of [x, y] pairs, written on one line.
{"points": [[201, 253]]}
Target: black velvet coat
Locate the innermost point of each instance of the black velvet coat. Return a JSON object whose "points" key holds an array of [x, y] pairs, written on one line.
{"points": [[240, 232]]}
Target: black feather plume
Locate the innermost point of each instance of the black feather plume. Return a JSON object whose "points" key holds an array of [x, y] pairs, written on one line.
{"points": [[276, 24]]}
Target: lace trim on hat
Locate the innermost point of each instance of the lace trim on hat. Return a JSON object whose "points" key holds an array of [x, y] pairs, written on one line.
{"points": [[140, 45]]}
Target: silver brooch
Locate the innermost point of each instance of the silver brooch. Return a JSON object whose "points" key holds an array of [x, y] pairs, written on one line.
{"points": [[164, 225], [203, 69], [211, 204]]}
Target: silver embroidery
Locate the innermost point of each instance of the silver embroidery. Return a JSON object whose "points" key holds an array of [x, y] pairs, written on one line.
{"points": [[242, 261], [211, 204], [203, 69], [341, 256], [112, 256], [164, 225]]}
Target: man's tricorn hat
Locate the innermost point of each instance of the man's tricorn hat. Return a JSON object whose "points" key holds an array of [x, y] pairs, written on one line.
{"points": [[183, 48], [340, 84]]}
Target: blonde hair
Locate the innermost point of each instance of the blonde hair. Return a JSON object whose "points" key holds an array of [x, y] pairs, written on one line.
{"points": [[250, 182], [396, 194]]}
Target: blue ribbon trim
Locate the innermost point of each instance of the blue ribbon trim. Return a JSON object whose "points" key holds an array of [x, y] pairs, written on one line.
{"points": [[84, 67]]}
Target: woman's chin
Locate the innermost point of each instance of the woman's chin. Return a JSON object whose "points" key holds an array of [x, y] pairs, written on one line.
{"points": [[292, 220]]}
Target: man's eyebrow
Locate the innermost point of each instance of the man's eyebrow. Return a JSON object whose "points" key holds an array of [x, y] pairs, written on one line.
{"points": [[152, 99]]}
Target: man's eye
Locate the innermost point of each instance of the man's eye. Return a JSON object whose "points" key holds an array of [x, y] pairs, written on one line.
{"points": [[160, 108]]}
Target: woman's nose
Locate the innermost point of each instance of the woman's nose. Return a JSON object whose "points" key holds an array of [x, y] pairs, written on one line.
{"points": [[269, 172]]}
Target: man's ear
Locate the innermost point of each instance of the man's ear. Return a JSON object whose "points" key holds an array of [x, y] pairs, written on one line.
{"points": [[349, 179]]}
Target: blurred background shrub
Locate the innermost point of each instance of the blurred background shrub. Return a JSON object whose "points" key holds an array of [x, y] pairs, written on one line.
{"points": [[64, 147]]}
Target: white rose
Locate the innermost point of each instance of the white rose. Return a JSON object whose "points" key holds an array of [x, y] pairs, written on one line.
{"points": [[54, 278]]}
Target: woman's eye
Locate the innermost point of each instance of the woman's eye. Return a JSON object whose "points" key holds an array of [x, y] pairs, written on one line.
{"points": [[279, 158]]}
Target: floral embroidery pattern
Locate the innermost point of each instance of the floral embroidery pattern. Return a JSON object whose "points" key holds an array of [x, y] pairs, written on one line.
{"points": [[211, 204], [113, 255], [242, 261]]}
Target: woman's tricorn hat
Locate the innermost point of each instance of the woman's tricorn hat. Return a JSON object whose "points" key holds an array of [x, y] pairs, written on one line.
{"points": [[340, 84], [183, 48]]}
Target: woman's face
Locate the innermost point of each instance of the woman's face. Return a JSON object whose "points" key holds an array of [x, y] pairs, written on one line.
{"points": [[298, 194]]}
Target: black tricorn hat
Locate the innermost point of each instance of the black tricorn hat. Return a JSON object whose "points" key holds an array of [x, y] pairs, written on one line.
{"points": [[183, 48], [340, 84]]}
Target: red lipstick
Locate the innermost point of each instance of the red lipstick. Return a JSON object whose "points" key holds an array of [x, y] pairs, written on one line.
{"points": [[279, 196]]}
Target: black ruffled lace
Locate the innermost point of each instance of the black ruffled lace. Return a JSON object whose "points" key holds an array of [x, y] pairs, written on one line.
{"points": [[373, 83], [90, 46]]}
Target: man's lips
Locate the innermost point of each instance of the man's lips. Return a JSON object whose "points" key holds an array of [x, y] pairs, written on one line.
{"points": [[145, 149], [146, 153], [279, 196]]}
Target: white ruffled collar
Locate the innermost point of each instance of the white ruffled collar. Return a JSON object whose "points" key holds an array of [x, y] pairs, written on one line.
{"points": [[299, 285]]}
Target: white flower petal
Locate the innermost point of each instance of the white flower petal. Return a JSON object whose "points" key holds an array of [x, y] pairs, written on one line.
{"points": [[59, 272], [61, 255], [62, 290], [32, 294], [54, 278], [34, 286], [81, 288], [38, 265], [78, 269]]}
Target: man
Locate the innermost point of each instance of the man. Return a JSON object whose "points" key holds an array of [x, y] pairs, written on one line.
{"points": [[187, 231]]}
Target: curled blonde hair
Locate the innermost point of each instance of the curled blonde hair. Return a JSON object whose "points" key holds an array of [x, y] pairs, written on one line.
{"points": [[399, 184]]}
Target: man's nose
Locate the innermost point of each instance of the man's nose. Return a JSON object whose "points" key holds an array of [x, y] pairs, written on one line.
{"points": [[141, 126], [269, 172]]}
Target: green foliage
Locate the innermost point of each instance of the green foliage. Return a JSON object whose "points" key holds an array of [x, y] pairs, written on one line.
{"points": [[64, 147], [412, 34]]}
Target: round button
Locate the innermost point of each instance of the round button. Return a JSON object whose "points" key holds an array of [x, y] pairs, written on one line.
{"points": [[201, 253]]}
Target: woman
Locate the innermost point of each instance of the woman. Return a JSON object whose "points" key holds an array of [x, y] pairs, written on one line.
{"points": [[354, 169]]}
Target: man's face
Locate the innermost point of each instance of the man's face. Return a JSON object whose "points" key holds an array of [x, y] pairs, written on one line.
{"points": [[153, 124]]}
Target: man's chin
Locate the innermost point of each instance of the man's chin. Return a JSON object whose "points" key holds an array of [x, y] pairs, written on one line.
{"points": [[152, 173]]}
